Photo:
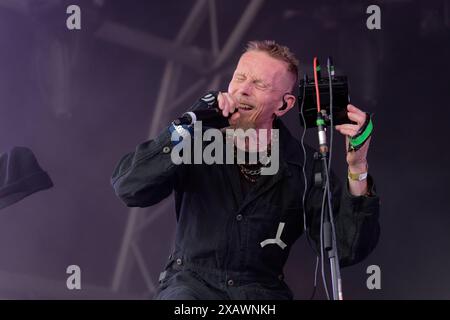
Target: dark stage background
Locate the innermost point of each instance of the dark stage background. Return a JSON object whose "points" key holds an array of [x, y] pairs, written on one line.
{"points": [[81, 99]]}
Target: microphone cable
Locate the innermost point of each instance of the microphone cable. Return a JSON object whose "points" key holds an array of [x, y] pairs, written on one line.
{"points": [[305, 179], [327, 189]]}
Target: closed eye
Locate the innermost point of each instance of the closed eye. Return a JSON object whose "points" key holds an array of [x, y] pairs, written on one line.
{"points": [[261, 85], [239, 77]]}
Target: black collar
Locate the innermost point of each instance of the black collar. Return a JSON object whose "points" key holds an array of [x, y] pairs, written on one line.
{"points": [[290, 149]]}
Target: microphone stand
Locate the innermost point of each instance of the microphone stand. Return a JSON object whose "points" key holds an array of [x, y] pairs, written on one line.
{"points": [[329, 232], [328, 241]]}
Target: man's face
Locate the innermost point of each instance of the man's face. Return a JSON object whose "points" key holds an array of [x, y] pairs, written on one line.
{"points": [[259, 83]]}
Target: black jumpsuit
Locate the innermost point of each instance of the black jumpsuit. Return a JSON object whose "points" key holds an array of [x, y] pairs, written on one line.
{"points": [[219, 251]]}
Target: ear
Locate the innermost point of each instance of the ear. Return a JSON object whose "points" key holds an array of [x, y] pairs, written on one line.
{"points": [[289, 101]]}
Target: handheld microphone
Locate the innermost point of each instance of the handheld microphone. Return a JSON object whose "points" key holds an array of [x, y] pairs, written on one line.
{"points": [[206, 109]]}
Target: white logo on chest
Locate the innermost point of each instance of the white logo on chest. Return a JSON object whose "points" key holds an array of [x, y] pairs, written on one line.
{"points": [[277, 240]]}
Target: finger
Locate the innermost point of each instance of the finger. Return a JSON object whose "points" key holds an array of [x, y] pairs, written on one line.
{"points": [[357, 117], [232, 103], [233, 119], [226, 105], [352, 108], [347, 132], [348, 126], [220, 100]]}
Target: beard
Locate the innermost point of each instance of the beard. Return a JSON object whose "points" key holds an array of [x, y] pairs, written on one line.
{"points": [[251, 140], [244, 122]]}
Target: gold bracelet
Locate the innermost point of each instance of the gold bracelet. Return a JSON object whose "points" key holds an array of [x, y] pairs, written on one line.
{"points": [[358, 176]]}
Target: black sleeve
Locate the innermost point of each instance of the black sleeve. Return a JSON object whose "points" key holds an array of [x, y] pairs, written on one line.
{"points": [[355, 218], [146, 176]]}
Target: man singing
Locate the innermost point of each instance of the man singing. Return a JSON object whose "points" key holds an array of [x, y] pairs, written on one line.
{"points": [[236, 226]]}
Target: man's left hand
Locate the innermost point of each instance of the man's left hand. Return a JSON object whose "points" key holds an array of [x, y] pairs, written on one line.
{"points": [[357, 160]]}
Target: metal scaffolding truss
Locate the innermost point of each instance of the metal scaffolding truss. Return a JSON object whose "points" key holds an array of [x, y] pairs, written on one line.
{"points": [[180, 54]]}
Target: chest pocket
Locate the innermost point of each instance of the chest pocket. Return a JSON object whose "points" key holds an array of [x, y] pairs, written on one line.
{"points": [[269, 223], [287, 225], [272, 233]]}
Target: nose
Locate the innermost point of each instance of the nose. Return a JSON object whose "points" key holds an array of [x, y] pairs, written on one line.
{"points": [[244, 89]]}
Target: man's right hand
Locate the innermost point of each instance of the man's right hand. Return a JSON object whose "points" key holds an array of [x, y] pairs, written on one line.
{"points": [[228, 104]]}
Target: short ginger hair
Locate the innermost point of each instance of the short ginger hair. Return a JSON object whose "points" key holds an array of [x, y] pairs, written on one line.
{"points": [[278, 52]]}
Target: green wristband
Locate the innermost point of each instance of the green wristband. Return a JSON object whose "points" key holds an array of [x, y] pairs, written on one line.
{"points": [[360, 139]]}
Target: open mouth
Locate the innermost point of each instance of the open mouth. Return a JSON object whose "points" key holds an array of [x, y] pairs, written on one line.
{"points": [[245, 107]]}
